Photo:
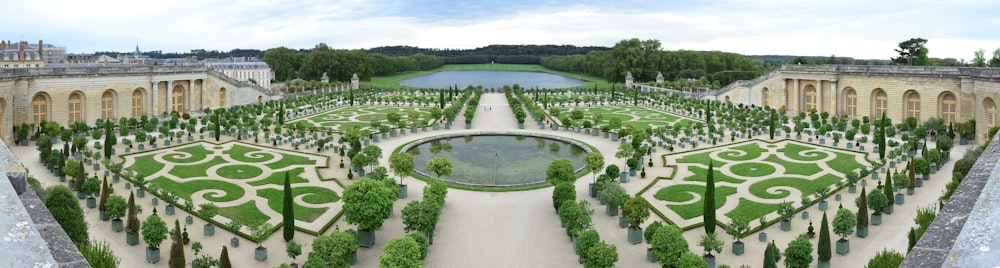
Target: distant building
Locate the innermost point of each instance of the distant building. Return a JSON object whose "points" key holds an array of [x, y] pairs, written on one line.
{"points": [[26, 55], [135, 58], [244, 69]]}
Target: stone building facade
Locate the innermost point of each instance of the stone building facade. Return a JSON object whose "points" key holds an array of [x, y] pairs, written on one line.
{"points": [[955, 94], [84, 94]]}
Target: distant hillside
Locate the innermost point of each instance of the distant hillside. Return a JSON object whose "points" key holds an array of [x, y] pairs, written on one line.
{"points": [[791, 59]]}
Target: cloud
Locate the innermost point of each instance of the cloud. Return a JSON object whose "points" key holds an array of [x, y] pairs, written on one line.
{"points": [[860, 29]]}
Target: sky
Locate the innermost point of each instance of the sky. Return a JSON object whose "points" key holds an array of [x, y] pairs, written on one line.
{"points": [[863, 29]]}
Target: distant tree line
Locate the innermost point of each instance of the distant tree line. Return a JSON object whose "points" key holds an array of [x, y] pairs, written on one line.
{"points": [[644, 59]]}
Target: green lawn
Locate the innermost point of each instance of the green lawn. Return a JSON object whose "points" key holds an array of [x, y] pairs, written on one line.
{"points": [[313, 195], [685, 192], [751, 210]]}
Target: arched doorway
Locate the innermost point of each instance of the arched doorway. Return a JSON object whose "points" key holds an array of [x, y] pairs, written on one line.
{"points": [[912, 99], [178, 99], [809, 98], [222, 98], [880, 103], [765, 96], [850, 102], [989, 113], [75, 108], [727, 100], [137, 103], [948, 108], [108, 105], [39, 109], [260, 99]]}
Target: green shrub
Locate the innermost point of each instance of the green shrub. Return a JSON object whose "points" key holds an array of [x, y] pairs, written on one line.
{"points": [[99, 254], [65, 208]]}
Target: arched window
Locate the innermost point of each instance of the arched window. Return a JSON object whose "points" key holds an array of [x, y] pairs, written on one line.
{"points": [[881, 103], [137, 100], [178, 99], [850, 102], [990, 113], [948, 108], [809, 101], [39, 109], [913, 104], [108, 106], [75, 108], [222, 98], [765, 95]]}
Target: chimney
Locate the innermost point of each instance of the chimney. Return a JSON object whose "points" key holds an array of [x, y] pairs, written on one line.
{"points": [[40, 55], [3, 45], [20, 51]]}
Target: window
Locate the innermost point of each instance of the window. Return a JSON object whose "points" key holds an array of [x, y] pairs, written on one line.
{"points": [[178, 99], [913, 104], [75, 108], [39, 109], [764, 96], [810, 98], [108, 106], [948, 108], [222, 97], [851, 102], [137, 100], [990, 112], [881, 102]]}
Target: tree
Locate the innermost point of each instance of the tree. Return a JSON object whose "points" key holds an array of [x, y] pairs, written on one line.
{"points": [[709, 201], [587, 239], [176, 248], [668, 245], [710, 243], [102, 203], [601, 255], [224, 258], [739, 227], [561, 193], [99, 254], [771, 256], [594, 162], [912, 52], [886, 258], [421, 216], [283, 61], [373, 153], [400, 252], [877, 202], [332, 250], [154, 231], [401, 163], [995, 60], [294, 249], [365, 204], [559, 171], [690, 259], [823, 245], [116, 206], [421, 239], [288, 211], [862, 215], [880, 136], [636, 211], [66, 210], [91, 186], [799, 252], [979, 58], [440, 166], [132, 222], [109, 139]]}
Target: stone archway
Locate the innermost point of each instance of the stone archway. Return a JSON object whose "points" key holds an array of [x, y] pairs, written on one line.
{"points": [[912, 100], [39, 108], [809, 98], [177, 99], [260, 99], [850, 102], [75, 108], [947, 107], [989, 113], [880, 103], [222, 98], [108, 105], [138, 99], [765, 96]]}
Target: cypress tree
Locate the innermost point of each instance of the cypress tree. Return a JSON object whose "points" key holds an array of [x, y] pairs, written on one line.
{"points": [[863, 210], [709, 201], [224, 258], [881, 136], [109, 140], [441, 99], [132, 220], [288, 211], [887, 190], [777, 252], [217, 128], [104, 196], [772, 123], [769, 261], [823, 249], [177, 248]]}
